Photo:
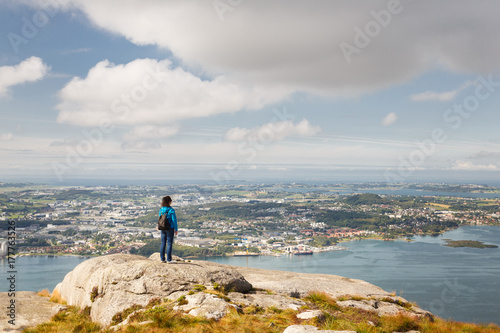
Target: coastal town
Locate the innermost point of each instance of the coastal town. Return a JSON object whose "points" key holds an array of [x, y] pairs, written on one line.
{"points": [[241, 220]]}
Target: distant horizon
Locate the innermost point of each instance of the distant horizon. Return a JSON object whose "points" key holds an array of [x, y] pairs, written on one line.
{"points": [[490, 178]]}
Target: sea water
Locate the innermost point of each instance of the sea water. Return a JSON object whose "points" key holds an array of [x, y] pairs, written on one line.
{"points": [[458, 283]]}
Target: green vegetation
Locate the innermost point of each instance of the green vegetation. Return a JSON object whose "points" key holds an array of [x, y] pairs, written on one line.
{"points": [[365, 199], [238, 210], [199, 287], [468, 243], [320, 241], [351, 219], [94, 293], [69, 232], [34, 242]]}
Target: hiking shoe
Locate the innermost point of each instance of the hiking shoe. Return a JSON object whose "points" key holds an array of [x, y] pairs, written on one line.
{"points": [[163, 261]]}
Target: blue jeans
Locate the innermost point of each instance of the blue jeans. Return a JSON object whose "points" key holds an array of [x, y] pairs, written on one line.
{"points": [[167, 239]]}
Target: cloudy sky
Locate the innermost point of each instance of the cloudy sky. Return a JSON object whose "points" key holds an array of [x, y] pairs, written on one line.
{"points": [[234, 89]]}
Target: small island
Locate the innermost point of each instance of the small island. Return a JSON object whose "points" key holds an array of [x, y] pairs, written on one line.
{"points": [[468, 243]]}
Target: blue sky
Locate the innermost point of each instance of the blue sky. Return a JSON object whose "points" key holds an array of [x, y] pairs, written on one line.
{"points": [[228, 90]]}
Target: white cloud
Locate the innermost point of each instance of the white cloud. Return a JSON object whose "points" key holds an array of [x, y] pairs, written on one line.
{"points": [[296, 44], [153, 132], [149, 136], [389, 119], [275, 131], [147, 91], [236, 134], [485, 154], [30, 70], [442, 96], [467, 165], [6, 137]]}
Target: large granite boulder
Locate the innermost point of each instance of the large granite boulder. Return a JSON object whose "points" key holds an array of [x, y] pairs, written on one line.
{"points": [[113, 283]]}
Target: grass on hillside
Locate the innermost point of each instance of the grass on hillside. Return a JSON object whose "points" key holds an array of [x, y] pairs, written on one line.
{"points": [[160, 317], [439, 206]]}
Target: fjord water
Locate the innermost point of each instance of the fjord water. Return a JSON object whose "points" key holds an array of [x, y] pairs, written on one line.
{"points": [[35, 273], [458, 283]]}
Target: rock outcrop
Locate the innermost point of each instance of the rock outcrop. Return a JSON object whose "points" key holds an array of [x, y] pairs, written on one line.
{"points": [[113, 283], [265, 300], [385, 308], [30, 310], [206, 305], [300, 284]]}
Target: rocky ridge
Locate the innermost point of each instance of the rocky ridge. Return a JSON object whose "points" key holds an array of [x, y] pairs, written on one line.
{"points": [[111, 284]]}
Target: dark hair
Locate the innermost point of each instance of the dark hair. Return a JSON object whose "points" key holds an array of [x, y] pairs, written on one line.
{"points": [[165, 201]]}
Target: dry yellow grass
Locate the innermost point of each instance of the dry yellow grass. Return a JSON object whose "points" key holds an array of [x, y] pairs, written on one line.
{"points": [[56, 297], [44, 293], [437, 205]]}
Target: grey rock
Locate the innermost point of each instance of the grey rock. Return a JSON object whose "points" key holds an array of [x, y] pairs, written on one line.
{"points": [[300, 284], [390, 309], [422, 313], [310, 329], [206, 305], [310, 314], [156, 256], [176, 294], [30, 310], [123, 280], [265, 300], [362, 305], [383, 308]]}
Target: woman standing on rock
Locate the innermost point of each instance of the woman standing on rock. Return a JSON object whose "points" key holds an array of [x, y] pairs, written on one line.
{"points": [[167, 236]]}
